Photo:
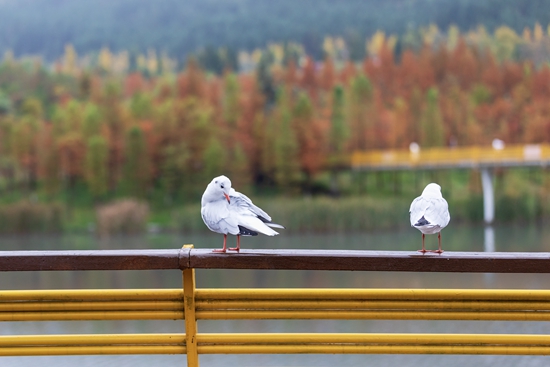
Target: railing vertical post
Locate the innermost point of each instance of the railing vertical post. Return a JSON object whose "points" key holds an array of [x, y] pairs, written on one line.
{"points": [[190, 319]]}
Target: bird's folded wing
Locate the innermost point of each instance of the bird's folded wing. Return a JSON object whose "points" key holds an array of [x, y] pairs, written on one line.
{"points": [[241, 203], [217, 217], [417, 209], [437, 212]]}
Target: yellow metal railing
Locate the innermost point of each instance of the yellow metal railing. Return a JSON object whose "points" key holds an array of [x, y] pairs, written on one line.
{"points": [[193, 305], [98, 304], [191, 341], [33, 345], [354, 304], [373, 344], [456, 156], [223, 304]]}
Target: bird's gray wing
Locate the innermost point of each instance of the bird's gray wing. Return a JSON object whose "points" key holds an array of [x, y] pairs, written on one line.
{"points": [[241, 203]]}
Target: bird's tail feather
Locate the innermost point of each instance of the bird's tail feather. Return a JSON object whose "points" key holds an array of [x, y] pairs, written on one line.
{"points": [[275, 225], [268, 231], [256, 225], [421, 222]]}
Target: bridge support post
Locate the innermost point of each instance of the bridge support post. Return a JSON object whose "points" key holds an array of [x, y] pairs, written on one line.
{"points": [[488, 195], [489, 239]]}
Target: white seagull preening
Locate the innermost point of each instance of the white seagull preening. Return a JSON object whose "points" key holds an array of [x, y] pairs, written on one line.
{"points": [[430, 213], [227, 211]]}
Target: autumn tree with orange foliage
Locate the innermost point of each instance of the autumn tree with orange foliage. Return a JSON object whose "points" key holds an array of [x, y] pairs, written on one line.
{"points": [[284, 124]]}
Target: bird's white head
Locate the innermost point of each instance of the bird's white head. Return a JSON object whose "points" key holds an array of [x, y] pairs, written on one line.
{"points": [[217, 189], [432, 190]]}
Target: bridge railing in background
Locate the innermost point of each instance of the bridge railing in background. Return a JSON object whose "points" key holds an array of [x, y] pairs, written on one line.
{"points": [[455, 157], [191, 304]]}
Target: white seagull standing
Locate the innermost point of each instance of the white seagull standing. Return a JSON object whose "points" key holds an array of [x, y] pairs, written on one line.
{"points": [[227, 211], [430, 213]]}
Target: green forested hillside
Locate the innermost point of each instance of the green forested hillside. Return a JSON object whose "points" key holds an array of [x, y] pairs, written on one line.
{"points": [[179, 27]]}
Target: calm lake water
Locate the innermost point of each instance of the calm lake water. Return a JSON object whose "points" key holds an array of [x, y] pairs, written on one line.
{"points": [[509, 238]]}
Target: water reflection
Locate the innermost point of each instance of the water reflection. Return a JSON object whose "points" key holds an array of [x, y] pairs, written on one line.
{"points": [[456, 238]]}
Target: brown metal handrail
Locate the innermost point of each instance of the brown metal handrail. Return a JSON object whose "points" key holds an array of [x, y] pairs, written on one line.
{"points": [[186, 258]]}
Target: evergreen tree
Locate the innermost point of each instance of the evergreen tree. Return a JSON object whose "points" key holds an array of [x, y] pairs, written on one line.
{"points": [[308, 81], [199, 132], [141, 106], [173, 169], [75, 115], [213, 158], [49, 162], [92, 121], [310, 136], [231, 108], [23, 137], [264, 78], [338, 137], [137, 165], [328, 74], [267, 132], [239, 170], [360, 113], [169, 172], [96, 166], [115, 118], [286, 153], [84, 85], [59, 121], [339, 130], [416, 104], [5, 103], [432, 122], [192, 82], [32, 107], [72, 150]]}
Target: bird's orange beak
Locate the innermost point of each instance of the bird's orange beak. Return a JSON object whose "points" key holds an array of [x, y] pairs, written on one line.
{"points": [[227, 197]]}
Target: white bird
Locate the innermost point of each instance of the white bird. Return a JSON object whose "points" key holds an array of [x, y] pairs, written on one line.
{"points": [[227, 211], [429, 213]]}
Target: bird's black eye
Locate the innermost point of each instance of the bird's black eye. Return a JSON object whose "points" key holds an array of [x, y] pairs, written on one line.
{"points": [[222, 186]]}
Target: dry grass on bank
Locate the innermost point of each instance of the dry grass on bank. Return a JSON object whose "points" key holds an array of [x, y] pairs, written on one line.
{"points": [[126, 216]]}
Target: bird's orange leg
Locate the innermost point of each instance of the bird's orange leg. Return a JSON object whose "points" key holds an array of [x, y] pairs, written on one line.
{"points": [[423, 248], [224, 245], [238, 244], [439, 250]]}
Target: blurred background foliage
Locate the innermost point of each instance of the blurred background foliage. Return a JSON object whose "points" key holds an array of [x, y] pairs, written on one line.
{"points": [[90, 122]]}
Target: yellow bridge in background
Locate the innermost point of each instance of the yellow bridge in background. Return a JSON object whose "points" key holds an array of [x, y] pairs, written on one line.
{"points": [[483, 158], [192, 305], [532, 155]]}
